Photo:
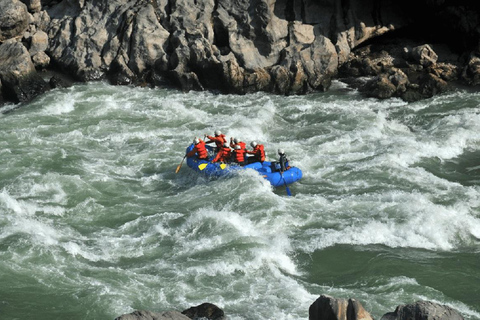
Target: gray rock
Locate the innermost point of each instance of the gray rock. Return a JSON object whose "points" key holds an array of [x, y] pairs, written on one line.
{"points": [[38, 42], [423, 310], [14, 19], [19, 79], [41, 60]]}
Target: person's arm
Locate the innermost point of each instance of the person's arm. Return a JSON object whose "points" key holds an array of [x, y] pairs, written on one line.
{"points": [[192, 153]]}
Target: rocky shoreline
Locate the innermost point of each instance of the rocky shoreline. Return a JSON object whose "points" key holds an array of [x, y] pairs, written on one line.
{"points": [[324, 308], [407, 49]]}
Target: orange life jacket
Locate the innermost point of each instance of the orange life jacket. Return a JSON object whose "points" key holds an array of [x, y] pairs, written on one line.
{"points": [[223, 155], [259, 152], [239, 155], [200, 150]]}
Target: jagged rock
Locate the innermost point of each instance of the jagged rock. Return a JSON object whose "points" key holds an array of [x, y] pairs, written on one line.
{"points": [[89, 37], [148, 315], [281, 46], [14, 19], [393, 83], [41, 20], [424, 55], [423, 310], [58, 82], [20, 81], [330, 308], [205, 311], [471, 71]]}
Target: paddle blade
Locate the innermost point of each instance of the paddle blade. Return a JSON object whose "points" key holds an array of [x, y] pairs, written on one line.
{"points": [[178, 167]]}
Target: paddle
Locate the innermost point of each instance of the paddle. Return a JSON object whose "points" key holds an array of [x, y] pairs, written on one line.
{"points": [[180, 165], [285, 183]]}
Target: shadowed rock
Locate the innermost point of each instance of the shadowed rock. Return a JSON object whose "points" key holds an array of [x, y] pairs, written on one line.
{"points": [[205, 311], [148, 315], [20, 81], [329, 308]]}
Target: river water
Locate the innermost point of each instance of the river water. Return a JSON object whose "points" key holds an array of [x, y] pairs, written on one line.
{"points": [[94, 222]]}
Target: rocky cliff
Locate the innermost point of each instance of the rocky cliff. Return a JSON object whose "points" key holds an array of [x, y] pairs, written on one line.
{"points": [[386, 48]]}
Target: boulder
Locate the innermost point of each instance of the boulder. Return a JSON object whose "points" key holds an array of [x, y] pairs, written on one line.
{"points": [[41, 60], [148, 315], [205, 311], [14, 19], [330, 308], [38, 42], [423, 310], [20, 81]]}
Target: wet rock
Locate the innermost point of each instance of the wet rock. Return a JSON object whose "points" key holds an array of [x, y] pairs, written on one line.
{"points": [[205, 311], [423, 310], [471, 71], [148, 315], [330, 308]]}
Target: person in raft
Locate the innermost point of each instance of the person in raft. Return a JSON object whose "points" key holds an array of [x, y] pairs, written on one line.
{"points": [[238, 155], [199, 149], [283, 160], [223, 154], [258, 153], [219, 139], [282, 164], [236, 142]]}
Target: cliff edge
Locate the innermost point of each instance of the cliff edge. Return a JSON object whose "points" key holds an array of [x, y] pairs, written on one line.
{"points": [[385, 48]]}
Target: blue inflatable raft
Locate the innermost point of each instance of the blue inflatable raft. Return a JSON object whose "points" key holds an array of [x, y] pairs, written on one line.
{"points": [[266, 169]]}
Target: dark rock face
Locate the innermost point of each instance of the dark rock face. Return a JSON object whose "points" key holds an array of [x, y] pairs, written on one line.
{"points": [[148, 315], [423, 310], [324, 308], [205, 311], [279, 46]]}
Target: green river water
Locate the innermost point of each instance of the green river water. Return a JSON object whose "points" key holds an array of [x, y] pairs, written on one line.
{"points": [[94, 222]]}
